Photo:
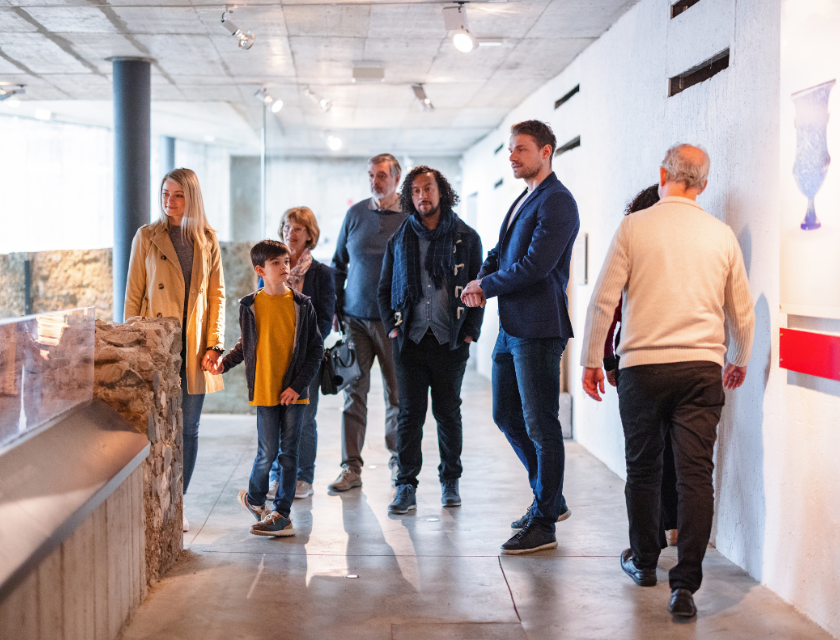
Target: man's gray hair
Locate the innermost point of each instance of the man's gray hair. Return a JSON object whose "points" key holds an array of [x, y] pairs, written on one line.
{"points": [[685, 168], [394, 165]]}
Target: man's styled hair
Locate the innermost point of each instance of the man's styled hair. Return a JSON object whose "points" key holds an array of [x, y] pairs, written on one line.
{"points": [[448, 197], [540, 131], [645, 199], [393, 163], [681, 168], [266, 250]]}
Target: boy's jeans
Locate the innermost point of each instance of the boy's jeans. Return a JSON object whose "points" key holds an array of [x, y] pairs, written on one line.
{"points": [[278, 431], [308, 438]]}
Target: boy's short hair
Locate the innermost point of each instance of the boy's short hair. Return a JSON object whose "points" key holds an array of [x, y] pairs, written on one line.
{"points": [[266, 250]]}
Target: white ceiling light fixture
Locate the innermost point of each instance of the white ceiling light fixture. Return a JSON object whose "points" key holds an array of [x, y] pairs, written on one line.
{"points": [[422, 98], [43, 114], [324, 104], [7, 91], [368, 72], [276, 106], [334, 143], [455, 20], [266, 99], [245, 39]]}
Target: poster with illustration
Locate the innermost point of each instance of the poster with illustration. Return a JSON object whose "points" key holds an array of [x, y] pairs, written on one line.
{"points": [[810, 158]]}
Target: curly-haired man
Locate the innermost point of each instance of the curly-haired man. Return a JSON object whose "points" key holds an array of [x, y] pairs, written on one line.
{"points": [[428, 262]]}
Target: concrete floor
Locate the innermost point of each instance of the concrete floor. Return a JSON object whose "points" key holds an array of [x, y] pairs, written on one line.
{"points": [[435, 573]]}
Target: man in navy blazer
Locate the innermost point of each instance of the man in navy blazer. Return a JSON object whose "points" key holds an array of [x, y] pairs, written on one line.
{"points": [[528, 271]]}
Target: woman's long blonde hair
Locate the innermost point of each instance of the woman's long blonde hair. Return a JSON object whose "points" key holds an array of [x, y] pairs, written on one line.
{"points": [[194, 224]]}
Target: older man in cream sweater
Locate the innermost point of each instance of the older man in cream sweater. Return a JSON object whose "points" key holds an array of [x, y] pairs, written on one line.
{"points": [[682, 276]]}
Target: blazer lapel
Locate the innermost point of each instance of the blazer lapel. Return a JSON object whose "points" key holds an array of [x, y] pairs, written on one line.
{"points": [[506, 223]]}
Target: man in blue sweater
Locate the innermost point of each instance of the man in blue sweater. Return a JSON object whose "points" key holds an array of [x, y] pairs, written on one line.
{"points": [[528, 271], [358, 262]]}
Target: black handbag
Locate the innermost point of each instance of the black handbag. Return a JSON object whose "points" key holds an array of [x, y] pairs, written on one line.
{"points": [[340, 367]]}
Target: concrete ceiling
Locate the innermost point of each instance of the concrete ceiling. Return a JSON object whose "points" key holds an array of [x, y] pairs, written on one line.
{"points": [[59, 50]]}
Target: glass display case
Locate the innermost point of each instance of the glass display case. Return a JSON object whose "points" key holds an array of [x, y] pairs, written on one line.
{"points": [[46, 370]]}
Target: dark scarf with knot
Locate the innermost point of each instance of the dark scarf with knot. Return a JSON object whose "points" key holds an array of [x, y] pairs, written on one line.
{"points": [[406, 287]]}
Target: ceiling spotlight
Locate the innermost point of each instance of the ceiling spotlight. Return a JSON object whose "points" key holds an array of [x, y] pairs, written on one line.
{"points": [[262, 96], [334, 143], [245, 39], [422, 98], [278, 104], [14, 103], [9, 90], [455, 20], [324, 104]]}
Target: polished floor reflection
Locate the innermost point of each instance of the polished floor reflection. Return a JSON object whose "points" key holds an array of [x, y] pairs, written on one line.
{"points": [[434, 573]]}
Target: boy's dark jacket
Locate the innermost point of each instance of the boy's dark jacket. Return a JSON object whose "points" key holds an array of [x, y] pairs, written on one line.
{"points": [[466, 321], [307, 354]]}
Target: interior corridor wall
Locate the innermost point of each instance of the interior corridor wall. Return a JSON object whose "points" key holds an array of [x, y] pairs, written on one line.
{"points": [[777, 480]]}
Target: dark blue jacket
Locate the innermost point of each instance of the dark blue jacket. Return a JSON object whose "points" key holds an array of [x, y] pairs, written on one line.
{"points": [[528, 270], [319, 285], [307, 354], [464, 321]]}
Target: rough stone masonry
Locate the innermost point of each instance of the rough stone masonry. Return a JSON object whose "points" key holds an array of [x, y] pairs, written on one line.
{"points": [[136, 372]]}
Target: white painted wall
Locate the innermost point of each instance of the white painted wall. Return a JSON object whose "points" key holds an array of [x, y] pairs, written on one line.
{"points": [[778, 496]]}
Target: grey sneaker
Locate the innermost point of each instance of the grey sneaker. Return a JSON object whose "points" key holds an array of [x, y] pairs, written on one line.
{"points": [[303, 490], [272, 490], [257, 511], [405, 500], [449, 493], [274, 525], [346, 480]]}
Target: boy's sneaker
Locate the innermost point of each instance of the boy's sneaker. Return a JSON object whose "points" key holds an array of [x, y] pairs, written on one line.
{"points": [[257, 511], [273, 525], [272, 490], [303, 489], [346, 480], [405, 500]]}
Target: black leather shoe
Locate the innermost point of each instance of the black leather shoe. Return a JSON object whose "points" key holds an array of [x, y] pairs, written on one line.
{"points": [[530, 539], [642, 577], [682, 603], [449, 496]]}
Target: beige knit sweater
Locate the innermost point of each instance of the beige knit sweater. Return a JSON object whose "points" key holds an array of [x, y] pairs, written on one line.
{"points": [[680, 270]]}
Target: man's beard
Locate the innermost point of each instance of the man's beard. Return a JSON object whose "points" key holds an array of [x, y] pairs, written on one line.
{"points": [[526, 173]]}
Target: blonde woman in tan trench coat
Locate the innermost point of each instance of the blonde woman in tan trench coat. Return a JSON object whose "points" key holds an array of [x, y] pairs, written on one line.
{"points": [[176, 271]]}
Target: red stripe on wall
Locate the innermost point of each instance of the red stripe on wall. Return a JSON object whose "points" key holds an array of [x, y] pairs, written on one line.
{"points": [[816, 354]]}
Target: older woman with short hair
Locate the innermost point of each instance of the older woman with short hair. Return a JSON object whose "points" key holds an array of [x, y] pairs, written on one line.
{"points": [[299, 230]]}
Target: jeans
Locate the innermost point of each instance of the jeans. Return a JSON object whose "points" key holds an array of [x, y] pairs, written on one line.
{"points": [[278, 433], [526, 406], [420, 367], [308, 438], [685, 399], [191, 409], [371, 342]]}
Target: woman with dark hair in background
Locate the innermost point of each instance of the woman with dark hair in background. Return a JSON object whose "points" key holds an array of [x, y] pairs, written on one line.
{"points": [[299, 230], [176, 271], [644, 199]]}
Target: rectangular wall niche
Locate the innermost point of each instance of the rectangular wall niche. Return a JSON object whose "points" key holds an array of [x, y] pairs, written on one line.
{"points": [[571, 144], [698, 74], [561, 101], [499, 183], [499, 148], [683, 5]]}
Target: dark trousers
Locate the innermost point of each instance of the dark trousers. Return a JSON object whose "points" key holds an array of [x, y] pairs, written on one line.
{"points": [[684, 399], [526, 406], [421, 367], [669, 484], [278, 438]]}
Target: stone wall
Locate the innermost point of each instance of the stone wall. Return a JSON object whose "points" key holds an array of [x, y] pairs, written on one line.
{"points": [[136, 373], [68, 279], [60, 280]]}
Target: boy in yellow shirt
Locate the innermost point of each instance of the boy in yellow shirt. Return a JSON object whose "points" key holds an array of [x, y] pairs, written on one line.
{"points": [[282, 349]]}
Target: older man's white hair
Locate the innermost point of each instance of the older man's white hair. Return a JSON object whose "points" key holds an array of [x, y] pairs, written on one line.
{"points": [[684, 164]]}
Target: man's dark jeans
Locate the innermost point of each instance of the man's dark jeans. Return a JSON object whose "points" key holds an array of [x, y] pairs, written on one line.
{"points": [[526, 405], [420, 367], [685, 399], [278, 438]]}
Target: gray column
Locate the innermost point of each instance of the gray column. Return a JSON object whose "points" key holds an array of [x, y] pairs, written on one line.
{"points": [[132, 164], [167, 155]]}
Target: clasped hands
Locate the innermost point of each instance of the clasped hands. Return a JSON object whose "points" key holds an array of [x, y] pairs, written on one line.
{"points": [[212, 362], [473, 295]]}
